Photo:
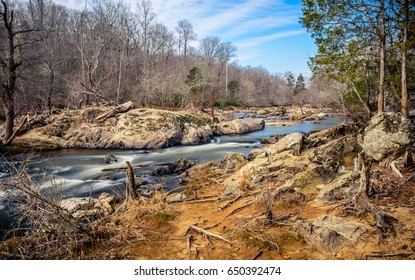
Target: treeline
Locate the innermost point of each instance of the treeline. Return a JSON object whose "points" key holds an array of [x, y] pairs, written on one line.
{"points": [[110, 52], [366, 48], [52, 57]]}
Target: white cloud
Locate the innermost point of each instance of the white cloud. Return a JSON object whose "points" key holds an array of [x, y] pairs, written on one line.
{"points": [[256, 41]]}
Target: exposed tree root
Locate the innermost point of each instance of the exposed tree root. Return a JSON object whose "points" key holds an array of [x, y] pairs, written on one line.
{"points": [[203, 231]]}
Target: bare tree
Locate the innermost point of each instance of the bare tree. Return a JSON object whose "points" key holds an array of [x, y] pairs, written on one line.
{"points": [[186, 35], [11, 60]]}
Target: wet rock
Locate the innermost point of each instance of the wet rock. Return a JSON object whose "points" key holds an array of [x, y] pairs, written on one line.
{"points": [[268, 140], [174, 168], [335, 150], [291, 142], [321, 115], [329, 234], [388, 134], [149, 190], [139, 181], [238, 126], [109, 158]]}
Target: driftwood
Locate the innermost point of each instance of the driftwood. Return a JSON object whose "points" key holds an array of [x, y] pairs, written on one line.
{"points": [[203, 231], [133, 167], [130, 191], [125, 107]]}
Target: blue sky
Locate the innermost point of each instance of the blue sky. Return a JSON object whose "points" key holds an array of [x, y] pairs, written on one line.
{"points": [[266, 32]]}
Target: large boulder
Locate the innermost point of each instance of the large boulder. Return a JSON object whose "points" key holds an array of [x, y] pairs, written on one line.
{"points": [[343, 186], [292, 142], [329, 234], [388, 134], [336, 150], [239, 126], [324, 136]]}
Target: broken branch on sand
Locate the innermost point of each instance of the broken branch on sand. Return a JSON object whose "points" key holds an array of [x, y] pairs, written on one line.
{"points": [[203, 231]]}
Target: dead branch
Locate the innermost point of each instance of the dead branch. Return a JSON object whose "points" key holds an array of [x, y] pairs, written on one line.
{"points": [[231, 202], [239, 208], [385, 255], [395, 169], [189, 244], [125, 107], [203, 231], [260, 252], [209, 242]]}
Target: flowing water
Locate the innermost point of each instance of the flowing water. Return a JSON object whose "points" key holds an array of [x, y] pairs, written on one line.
{"points": [[79, 172]]}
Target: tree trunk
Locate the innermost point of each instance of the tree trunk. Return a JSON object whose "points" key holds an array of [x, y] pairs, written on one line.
{"points": [[9, 125], [404, 100], [382, 57]]}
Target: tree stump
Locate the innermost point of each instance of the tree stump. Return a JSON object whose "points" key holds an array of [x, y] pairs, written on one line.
{"points": [[407, 159], [130, 191]]}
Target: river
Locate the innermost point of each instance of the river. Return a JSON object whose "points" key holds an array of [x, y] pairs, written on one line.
{"points": [[79, 172]]}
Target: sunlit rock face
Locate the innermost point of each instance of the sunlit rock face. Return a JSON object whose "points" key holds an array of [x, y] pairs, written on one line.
{"points": [[388, 134]]}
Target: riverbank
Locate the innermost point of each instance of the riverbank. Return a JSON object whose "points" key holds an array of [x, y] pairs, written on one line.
{"points": [[144, 128], [304, 197]]}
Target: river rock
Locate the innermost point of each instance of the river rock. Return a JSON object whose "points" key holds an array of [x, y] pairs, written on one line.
{"points": [[139, 181], [291, 142], [329, 234], [109, 158], [388, 134], [174, 168], [238, 126], [88, 207], [276, 168], [77, 203], [321, 115]]}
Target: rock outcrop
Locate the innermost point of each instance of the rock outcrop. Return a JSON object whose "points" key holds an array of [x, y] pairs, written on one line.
{"points": [[135, 129], [291, 142], [88, 207], [388, 134], [239, 126], [329, 234]]}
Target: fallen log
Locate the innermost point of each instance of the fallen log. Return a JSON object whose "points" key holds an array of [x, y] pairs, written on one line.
{"points": [[125, 107], [133, 167]]}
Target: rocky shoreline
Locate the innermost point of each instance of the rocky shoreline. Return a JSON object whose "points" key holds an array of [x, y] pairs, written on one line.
{"points": [[135, 129]]}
